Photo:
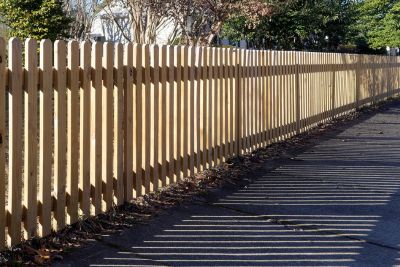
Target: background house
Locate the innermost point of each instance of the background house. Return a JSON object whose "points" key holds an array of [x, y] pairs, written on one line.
{"points": [[113, 24]]}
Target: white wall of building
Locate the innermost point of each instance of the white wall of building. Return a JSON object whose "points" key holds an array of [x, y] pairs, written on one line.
{"points": [[104, 28]]}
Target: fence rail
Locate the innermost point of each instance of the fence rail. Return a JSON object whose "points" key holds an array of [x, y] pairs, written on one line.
{"points": [[83, 126]]}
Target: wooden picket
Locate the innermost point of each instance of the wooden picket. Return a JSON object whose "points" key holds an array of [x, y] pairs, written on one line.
{"points": [[73, 131], [46, 136], [154, 149], [107, 126], [95, 127], [15, 134], [146, 118], [137, 135], [118, 130], [171, 122], [162, 122], [177, 112], [60, 131], [84, 134], [184, 109], [30, 175], [105, 123], [128, 122], [3, 188]]}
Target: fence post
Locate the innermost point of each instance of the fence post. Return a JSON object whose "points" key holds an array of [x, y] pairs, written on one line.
{"points": [[389, 74], [297, 84], [238, 144], [333, 96], [373, 81], [357, 82]]}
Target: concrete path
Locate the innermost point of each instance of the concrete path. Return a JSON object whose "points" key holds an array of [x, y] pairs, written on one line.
{"points": [[336, 204]]}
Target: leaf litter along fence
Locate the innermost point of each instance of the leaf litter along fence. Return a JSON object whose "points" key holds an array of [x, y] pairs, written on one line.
{"points": [[83, 126]]}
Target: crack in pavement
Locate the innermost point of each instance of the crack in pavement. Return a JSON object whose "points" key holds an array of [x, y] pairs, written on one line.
{"points": [[297, 224], [294, 225]]}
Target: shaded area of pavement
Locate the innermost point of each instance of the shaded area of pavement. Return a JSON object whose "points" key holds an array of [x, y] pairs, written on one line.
{"points": [[336, 204]]}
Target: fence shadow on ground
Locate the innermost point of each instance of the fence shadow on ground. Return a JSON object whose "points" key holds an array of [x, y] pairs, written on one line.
{"points": [[337, 204]]}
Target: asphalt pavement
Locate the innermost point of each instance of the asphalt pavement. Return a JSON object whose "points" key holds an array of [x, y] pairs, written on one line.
{"points": [[335, 204]]}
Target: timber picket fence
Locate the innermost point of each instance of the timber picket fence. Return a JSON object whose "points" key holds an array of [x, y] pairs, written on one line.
{"points": [[83, 126]]}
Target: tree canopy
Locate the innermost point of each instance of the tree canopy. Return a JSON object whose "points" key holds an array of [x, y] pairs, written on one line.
{"points": [[197, 21], [366, 26], [311, 24], [39, 19], [380, 22]]}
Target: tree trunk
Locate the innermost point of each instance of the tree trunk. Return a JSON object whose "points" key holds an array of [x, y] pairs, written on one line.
{"points": [[215, 29]]}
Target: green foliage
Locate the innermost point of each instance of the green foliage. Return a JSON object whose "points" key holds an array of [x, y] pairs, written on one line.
{"points": [[39, 19], [380, 22], [323, 25]]}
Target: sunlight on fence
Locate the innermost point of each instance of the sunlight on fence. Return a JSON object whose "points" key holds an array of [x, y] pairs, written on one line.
{"points": [[84, 126]]}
